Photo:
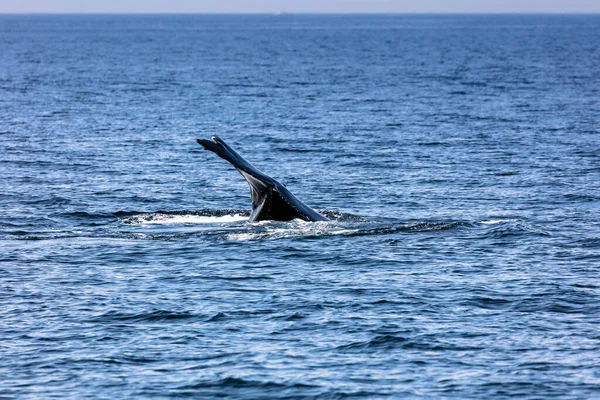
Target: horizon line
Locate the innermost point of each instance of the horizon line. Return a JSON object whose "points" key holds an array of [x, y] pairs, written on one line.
{"points": [[289, 13]]}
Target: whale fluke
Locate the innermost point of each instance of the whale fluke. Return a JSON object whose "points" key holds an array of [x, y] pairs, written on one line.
{"points": [[271, 200]]}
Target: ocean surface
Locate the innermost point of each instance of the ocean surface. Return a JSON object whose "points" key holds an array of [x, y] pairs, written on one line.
{"points": [[456, 156]]}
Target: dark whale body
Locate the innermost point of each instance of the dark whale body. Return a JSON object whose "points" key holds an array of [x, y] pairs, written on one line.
{"points": [[270, 199]]}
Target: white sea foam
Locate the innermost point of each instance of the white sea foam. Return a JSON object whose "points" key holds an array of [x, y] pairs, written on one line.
{"points": [[497, 221], [296, 229], [167, 219]]}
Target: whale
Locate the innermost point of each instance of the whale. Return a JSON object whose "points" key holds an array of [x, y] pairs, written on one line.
{"points": [[271, 200]]}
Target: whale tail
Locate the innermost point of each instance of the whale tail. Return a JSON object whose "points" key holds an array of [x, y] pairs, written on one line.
{"points": [[271, 200]]}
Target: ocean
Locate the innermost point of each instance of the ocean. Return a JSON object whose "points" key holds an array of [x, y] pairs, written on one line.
{"points": [[457, 158]]}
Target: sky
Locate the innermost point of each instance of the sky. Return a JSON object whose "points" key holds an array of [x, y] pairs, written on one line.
{"points": [[300, 6]]}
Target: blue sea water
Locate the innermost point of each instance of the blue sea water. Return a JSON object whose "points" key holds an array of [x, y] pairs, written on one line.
{"points": [[457, 157]]}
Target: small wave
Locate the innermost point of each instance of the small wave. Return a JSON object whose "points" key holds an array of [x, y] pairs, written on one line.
{"points": [[387, 342], [513, 228], [412, 227], [151, 316], [377, 342], [217, 317], [39, 235], [85, 215], [488, 303], [251, 388]]}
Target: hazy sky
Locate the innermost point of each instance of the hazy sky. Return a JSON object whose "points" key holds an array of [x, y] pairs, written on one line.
{"points": [[299, 6]]}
